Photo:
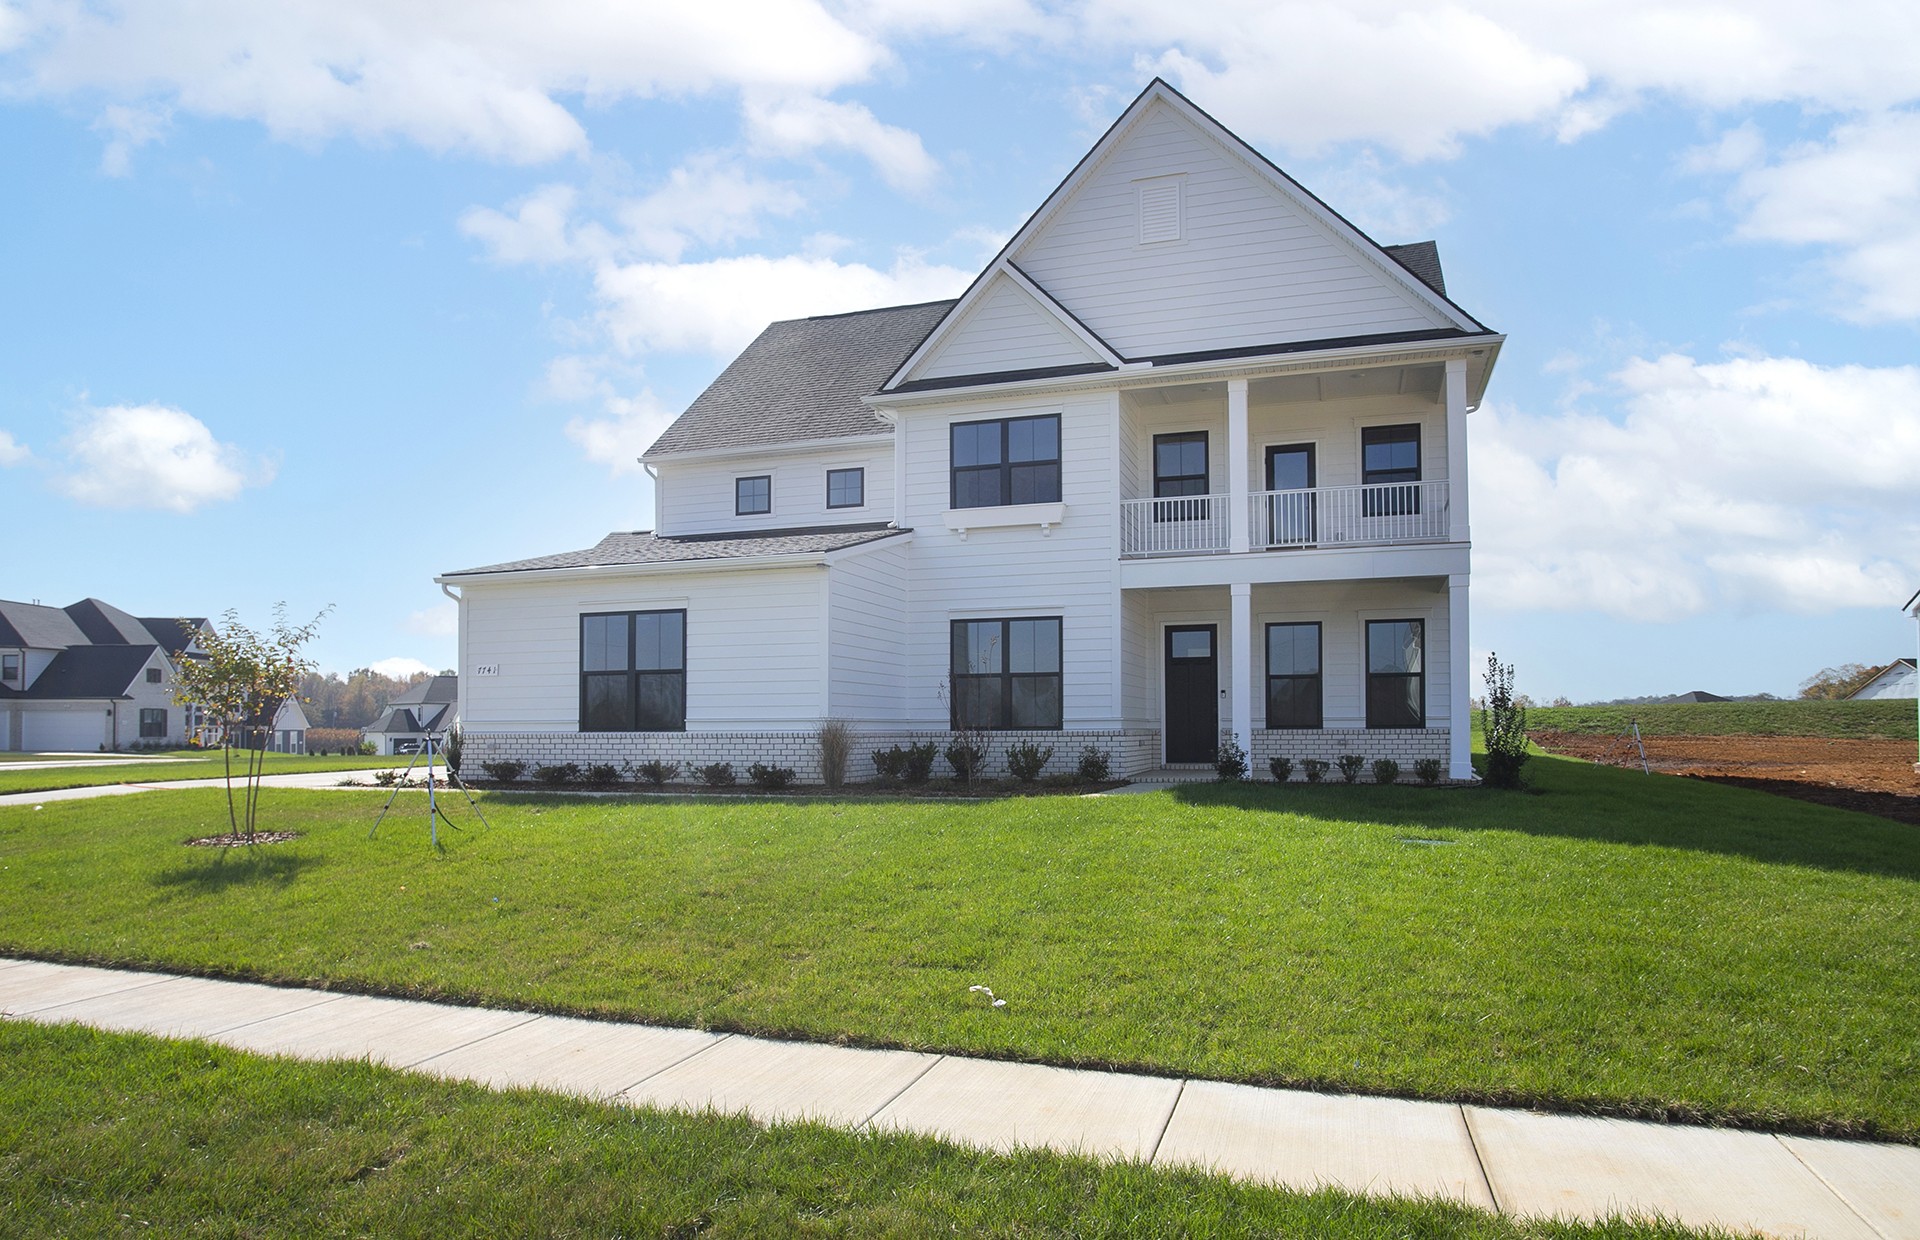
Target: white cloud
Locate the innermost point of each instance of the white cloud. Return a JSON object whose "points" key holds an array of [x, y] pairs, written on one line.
{"points": [[629, 429], [439, 620], [128, 129], [797, 125], [538, 231], [483, 77], [152, 456], [1755, 482], [720, 305], [707, 200], [1384, 208], [399, 667], [1858, 193], [12, 451]]}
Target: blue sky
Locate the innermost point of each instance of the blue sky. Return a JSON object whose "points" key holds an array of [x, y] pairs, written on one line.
{"points": [[308, 302]]}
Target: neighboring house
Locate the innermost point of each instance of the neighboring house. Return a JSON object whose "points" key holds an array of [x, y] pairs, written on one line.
{"points": [[1187, 461], [289, 731], [91, 677], [1897, 680], [430, 706]]}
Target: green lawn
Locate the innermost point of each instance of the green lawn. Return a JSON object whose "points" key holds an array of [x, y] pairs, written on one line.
{"points": [[199, 764], [1878, 720], [104, 1134], [1615, 942]]}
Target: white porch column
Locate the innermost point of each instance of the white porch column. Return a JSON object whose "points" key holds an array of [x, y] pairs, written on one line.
{"points": [[1240, 691], [1238, 518], [1457, 451], [1460, 676]]}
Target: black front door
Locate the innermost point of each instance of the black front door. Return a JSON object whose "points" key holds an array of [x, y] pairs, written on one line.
{"points": [[1293, 520], [1193, 693]]}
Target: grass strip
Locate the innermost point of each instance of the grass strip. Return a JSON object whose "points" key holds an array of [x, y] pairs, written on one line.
{"points": [[108, 1134], [1865, 720], [199, 764], [1613, 943]]}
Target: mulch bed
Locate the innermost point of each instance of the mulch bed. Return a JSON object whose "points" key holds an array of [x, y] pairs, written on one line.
{"points": [[243, 841], [934, 788], [1871, 777]]}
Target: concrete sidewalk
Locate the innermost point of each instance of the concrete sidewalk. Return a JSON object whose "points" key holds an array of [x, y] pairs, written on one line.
{"points": [[303, 779], [1515, 1162]]}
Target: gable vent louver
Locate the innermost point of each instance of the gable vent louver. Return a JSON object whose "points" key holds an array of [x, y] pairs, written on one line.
{"points": [[1160, 210]]}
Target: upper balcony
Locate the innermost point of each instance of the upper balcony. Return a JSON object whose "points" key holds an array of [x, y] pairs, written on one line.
{"points": [[1372, 514]]}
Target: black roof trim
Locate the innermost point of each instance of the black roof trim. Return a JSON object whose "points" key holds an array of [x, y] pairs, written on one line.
{"points": [[1005, 376], [1311, 346], [1062, 308]]}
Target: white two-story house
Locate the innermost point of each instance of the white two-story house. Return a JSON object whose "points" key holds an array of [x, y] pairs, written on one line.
{"points": [[1188, 460]]}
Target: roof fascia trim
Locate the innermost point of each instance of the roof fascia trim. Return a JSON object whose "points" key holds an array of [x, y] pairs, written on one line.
{"points": [[791, 559], [761, 449], [1067, 318]]}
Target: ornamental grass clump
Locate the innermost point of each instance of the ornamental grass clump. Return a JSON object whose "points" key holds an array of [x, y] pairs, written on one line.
{"points": [[836, 748]]}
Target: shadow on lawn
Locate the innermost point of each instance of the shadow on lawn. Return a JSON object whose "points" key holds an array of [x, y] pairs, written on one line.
{"points": [[1579, 800], [235, 867]]}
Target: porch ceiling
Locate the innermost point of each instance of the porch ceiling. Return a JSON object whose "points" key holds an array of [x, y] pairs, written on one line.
{"points": [[1424, 380]]}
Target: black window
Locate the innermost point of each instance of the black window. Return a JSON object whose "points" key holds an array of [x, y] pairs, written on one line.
{"points": [[846, 488], [1293, 675], [9, 667], [1006, 674], [1006, 461], [153, 675], [752, 496], [1396, 674], [153, 723], [1390, 454], [633, 672], [1180, 468]]}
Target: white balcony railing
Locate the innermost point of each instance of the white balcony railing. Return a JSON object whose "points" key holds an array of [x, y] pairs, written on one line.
{"points": [[1190, 525], [1382, 512]]}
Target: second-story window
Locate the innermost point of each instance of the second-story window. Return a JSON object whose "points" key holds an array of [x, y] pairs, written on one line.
{"points": [[1390, 454], [846, 488], [1180, 468], [1006, 461], [10, 668], [153, 675], [753, 496]]}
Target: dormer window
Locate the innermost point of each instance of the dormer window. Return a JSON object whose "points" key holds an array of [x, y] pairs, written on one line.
{"points": [[753, 497], [10, 668]]}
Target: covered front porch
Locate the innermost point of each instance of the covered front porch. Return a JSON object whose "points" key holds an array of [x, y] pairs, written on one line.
{"points": [[1375, 666]]}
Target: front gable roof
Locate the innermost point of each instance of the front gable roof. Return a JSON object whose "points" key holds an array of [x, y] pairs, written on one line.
{"points": [[1253, 260], [105, 671]]}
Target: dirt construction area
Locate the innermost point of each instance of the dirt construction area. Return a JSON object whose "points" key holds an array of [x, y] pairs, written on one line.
{"points": [[1874, 777]]}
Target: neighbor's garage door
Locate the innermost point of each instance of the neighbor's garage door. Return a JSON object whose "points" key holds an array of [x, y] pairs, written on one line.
{"points": [[71, 731]]}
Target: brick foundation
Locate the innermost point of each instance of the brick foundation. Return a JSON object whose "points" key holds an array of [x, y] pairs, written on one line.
{"points": [[1404, 745]]}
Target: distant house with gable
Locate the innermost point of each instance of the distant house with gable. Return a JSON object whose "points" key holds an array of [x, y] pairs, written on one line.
{"points": [[90, 677], [428, 707], [1898, 679]]}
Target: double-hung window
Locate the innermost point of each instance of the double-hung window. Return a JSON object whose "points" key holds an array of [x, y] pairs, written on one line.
{"points": [[153, 676], [753, 496], [1006, 461], [1396, 674], [846, 488], [633, 672], [1293, 675], [1006, 674], [1391, 454], [153, 723], [1180, 468], [10, 668]]}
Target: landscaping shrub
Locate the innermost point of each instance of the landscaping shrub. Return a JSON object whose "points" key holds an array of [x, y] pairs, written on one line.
{"points": [[1350, 765], [772, 778], [557, 774], [1385, 770], [1027, 759], [603, 773], [919, 765], [334, 740], [836, 746], [890, 765], [1428, 770], [1230, 761], [1096, 765], [366, 749], [966, 753], [506, 771], [387, 778], [1282, 769], [655, 773], [452, 745], [716, 774], [1315, 769], [1505, 722]]}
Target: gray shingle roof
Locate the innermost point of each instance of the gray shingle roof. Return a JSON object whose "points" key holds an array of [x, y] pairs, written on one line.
{"points": [[803, 379], [441, 689], [644, 547], [1422, 258], [91, 672], [43, 628]]}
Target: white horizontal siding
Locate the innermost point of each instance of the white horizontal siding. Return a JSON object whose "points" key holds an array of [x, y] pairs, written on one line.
{"points": [[867, 601], [1251, 267], [1342, 610], [1070, 571], [756, 649], [696, 497], [1005, 329]]}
